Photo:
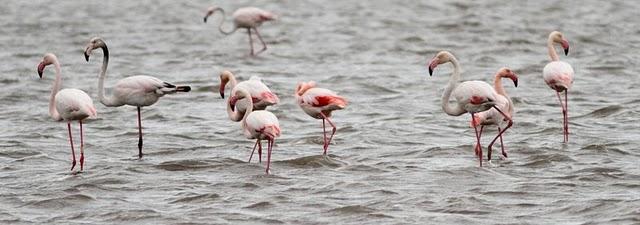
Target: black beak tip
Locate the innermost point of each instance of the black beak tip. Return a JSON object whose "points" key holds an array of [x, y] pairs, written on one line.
{"points": [[86, 56], [222, 95], [430, 71], [205, 20], [40, 74], [566, 51], [515, 83]]}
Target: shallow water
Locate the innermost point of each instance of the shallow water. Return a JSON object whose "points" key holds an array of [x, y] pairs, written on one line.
{"points": [[396, 157]]}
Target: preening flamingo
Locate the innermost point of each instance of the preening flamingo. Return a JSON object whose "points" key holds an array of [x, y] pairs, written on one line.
{"points": [[249, 18], [261, 96], [68, 104], [319, 103], [136, 91], [559, 75], [503, 102], [259, 125], [471, 96]]}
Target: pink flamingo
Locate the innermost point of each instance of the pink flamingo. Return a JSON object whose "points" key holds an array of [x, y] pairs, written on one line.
{"points": [[319, 103], [68, 104], [503, 102], [261, 96], [259, 125], [249, 18], [559, 75], [136, 91], [471, 96]]}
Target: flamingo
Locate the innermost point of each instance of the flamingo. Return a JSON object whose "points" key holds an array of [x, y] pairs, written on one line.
{"points": [[259, 125], [261, 96], [471, 96], [135, 91], [319, 103], [247, 17], [559, 75], [68, 104], [503, 102]]}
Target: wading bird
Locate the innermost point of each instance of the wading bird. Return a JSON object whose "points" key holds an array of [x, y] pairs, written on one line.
{"points": [[249, 18], [503, 102], [261, 96], [68, 104], [559, 76], [135, 91], [471, 96], [259, 125], [319, 103]]}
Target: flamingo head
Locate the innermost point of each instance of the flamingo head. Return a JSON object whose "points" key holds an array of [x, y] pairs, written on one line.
{"points": [[304, 86], [508, 73], [558, 37], [48, 59], [440, 58], [225, 77], [94, 43], [210, 12]]}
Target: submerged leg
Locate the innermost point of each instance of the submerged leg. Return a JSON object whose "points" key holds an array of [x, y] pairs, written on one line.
{"points": [[250, 40], [478, 147], [504, 152], [333, 131], [81, 147], [564, 117], [73, 153], [259, 151], [139, 135], [324, 134], [269, 148], [254, 149], [264, 45], [509, 124]]}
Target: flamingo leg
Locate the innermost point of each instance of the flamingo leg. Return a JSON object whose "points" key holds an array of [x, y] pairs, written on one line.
{"points": [[504, 153], [508, 118], [564, 117], [139, 135], [250, 41], [81, 147], [73, 153], [269, 147], [324, 140], [478, 147], [333, 131], [259, 151], [254, 149], [264, 45]]}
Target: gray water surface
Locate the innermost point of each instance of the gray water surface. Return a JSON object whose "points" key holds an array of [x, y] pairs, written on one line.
{"points": [[397, 158]]}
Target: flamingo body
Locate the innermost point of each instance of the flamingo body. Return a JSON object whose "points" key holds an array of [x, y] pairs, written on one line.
{"points": [[261, 125], [250, 17], [141, 90], [474, 96], [74, 104], [558, 75], [319, 103]]}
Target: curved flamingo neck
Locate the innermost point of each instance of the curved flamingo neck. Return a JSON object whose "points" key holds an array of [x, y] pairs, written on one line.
{"points": [[110, 101], [552, 51], [234, 114], [222, 22], [453, 83], [53, 112], [497, 85]]}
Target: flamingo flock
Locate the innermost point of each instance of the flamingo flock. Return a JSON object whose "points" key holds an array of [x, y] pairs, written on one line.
{"points": [[248, 100]]}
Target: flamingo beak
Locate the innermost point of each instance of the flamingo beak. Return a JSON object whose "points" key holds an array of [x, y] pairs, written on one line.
{"points": [[209, 13], [232, 102], [223, 83], [87, 52], [565, 46], [514, 78], [432, 65], [41, 69]]}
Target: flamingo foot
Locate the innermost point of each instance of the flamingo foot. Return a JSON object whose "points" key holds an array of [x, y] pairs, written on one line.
{"points": [[73, 164]]}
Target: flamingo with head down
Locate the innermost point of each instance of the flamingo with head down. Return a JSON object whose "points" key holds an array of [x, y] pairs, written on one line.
{"points": [[319, 103], [135, 91], [471, 96], [261, 95], [249, 18], [259, 125], [559, 76], [503, 102], [68, 104]]}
